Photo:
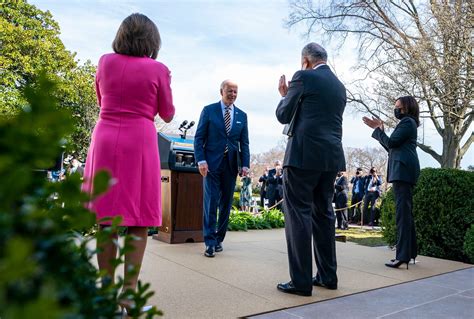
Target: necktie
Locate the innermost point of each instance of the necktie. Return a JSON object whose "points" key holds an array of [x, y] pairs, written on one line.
{"points": [[227, 125]]}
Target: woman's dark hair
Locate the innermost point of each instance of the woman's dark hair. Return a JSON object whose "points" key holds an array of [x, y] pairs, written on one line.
{"points": [[137, 36], [410, 107]]}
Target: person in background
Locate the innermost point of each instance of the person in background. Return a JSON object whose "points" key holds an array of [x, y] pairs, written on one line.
{"points": [[76, 167], [132, 88], [341, 187], [263, 187], [403, 172], [274, 178], [246, 193], [279, 188], [357, 194], [372, 193]]}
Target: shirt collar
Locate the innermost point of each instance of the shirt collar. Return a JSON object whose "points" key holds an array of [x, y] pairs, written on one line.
{"points": [[223, 106], [317, 66]]}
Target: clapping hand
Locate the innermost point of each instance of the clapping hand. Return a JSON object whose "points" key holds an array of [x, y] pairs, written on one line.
{"points": [[373, 123]]}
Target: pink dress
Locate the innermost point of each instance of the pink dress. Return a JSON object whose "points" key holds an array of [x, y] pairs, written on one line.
{"points": [[131, 91]]}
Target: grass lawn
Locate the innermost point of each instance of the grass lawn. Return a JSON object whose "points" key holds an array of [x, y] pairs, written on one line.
{"points": [[363, 237]]}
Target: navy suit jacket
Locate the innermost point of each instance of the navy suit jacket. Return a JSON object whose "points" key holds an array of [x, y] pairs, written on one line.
{"points": [[317, 140], [211, 138], [403, 164]]}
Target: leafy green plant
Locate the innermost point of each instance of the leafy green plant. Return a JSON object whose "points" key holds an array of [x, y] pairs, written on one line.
{"points": [[236, 200], [469, 244], [443, 209], [242, 221], [388, 217], [46, 268]]}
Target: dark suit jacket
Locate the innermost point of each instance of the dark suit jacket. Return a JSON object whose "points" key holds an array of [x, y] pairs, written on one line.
{"points": [[341, 187], [316, 141], [272, 183], [403, 164], [263, 179], [211, 138]]}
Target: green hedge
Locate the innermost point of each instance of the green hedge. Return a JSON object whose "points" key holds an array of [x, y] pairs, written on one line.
{"points": [[443, 208], [469, 244], [244, 220], [387, 221]]}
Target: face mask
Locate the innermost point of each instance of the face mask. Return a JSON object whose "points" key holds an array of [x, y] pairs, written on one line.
{"points": [[398, 113]]}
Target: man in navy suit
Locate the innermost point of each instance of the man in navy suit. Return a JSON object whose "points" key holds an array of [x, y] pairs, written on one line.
{"points": [[221, 147]]}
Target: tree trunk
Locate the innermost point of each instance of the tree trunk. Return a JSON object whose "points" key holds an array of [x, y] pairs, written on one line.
{"points": [[451, 150]]}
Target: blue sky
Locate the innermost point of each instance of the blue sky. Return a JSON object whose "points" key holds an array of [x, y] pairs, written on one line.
{"points": [[205, 42]]}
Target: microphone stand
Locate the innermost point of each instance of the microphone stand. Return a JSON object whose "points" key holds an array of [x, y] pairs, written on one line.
{"points": [[184, 130]]}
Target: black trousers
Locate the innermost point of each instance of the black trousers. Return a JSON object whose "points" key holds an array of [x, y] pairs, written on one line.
{"points": [[341, 214], [355, 213], [370, 198], [406, 235], [309, 216]]}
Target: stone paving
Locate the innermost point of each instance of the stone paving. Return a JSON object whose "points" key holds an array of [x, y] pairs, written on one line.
{"points": [[241, 282]]}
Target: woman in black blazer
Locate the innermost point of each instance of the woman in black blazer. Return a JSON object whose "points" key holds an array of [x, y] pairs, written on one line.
{"points": [[403, 172]]}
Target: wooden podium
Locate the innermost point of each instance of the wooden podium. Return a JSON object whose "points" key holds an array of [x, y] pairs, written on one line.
{"points": [[181, 200]]}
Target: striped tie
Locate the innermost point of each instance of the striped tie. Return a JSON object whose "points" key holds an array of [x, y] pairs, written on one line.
{"points": [[227, 125]]}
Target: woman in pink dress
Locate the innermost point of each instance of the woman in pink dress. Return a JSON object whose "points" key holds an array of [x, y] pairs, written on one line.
{"points": [[132, 88]]}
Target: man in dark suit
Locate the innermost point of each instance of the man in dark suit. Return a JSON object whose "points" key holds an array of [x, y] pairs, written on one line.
{"points": [[357, 194], [273, 180], [313, 156], [341, 187], [221, 146], [263, 187], [372, 189]]}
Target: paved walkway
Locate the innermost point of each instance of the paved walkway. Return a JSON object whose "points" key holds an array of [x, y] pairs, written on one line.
{"points": [[241, 281], [444, 296]]}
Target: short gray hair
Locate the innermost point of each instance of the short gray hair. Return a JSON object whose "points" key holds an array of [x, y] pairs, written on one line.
{"points": [[225, 82], [314, 52]]}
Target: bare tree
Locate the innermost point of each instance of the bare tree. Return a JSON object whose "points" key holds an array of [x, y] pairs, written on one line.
{"points": [[406, 47], [366, 158], [258, 162], [171, 127]]}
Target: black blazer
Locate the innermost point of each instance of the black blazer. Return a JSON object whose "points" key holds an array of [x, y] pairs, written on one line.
{"points": [[341, 187], [316, 142], [403, 164]]}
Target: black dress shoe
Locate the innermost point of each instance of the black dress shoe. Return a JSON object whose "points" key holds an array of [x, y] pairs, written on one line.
{"points": [[209, 252], [317, 282], [219, 248], [288, 288]]}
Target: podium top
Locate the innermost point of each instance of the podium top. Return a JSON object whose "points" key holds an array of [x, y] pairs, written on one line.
{"points": [[179, 143]]}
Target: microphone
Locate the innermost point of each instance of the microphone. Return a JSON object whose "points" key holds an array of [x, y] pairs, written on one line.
{"points": [[183, 124], [190, 125]]}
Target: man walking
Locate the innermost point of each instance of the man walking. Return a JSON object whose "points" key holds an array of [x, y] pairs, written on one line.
{"points": [[313, 157], [221, 146]]}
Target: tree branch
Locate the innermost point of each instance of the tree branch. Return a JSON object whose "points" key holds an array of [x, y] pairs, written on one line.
{"points": [[429, 150], [466, 124], [466, 145]]}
